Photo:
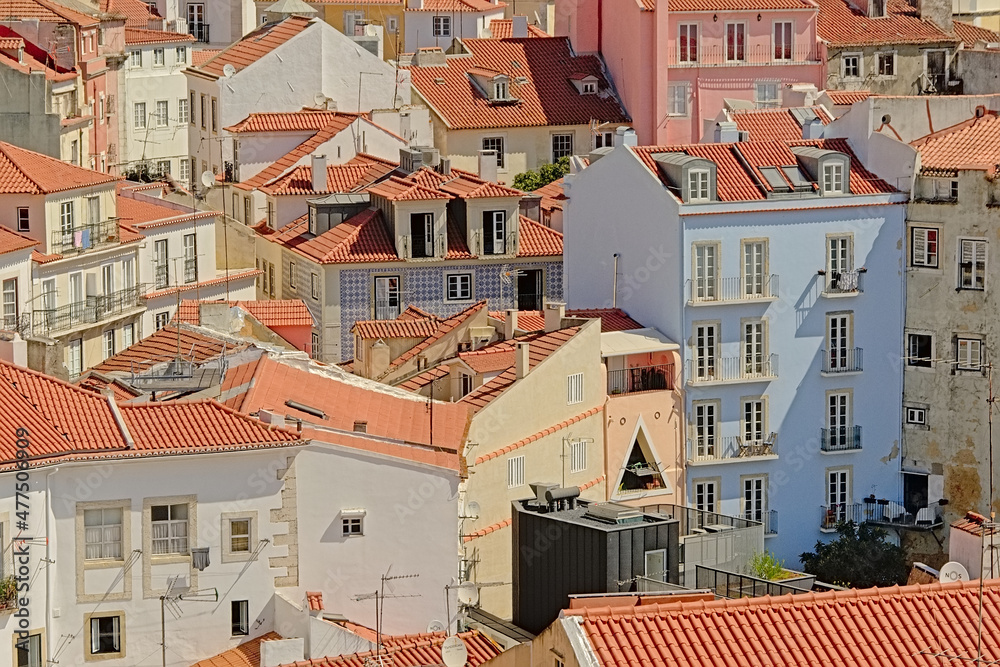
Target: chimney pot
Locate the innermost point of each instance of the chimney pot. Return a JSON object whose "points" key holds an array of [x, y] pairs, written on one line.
{"points": [[555, 311], [627, 136], [510, 324], [319, 173], [488, 166], [521, 360], [519, 27]]}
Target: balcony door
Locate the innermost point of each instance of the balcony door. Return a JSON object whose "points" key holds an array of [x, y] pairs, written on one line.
{"points": [[839, 259], [386, 297], [754, 253], [753, 422], [705, 272], [76, 296], [422, 234], [705, 341], [160, 264], [838, 488], [494, 232], [195, 16], [839, 419], [753, 348], [529, 289], [705, 416], [754, 498], [839, 333]]}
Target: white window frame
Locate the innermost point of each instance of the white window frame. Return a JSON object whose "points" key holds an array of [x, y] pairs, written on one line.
{"points": [[515, 471], [128, 335], [754, 497], [706, 494], [684, 31], [161, 319], [705, 350], [833, 177], [925, 247], [109, 343], [677, 99], [915, 416], [699, 186], [859, 66], [968, 354], [737, 26], [574, 389], [75, 358], [455, 290], [441, 26], [139, 115], [767, 101], [229, 554], [705, 428], [23, 219], [913, 361], [577, 456], [879, 59], [111, 533], [117, 636], [183, 114], [180, 55], [175, 543], [239, 614], [314, 286], [784, 42], [973, 279], [838, 490], [135, 59]]}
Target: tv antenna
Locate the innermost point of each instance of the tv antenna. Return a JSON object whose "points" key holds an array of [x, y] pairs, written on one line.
{"points": [[381, 595], [169, 601]]}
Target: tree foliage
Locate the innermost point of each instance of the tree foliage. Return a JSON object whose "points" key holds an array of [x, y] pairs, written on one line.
{"points": [[533, 179], [861, 558]]}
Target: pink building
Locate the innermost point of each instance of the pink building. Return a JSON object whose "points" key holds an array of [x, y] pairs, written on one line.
{"points": [[674, 66]]}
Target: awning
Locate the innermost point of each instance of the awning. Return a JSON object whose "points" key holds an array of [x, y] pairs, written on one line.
{"points": [[636, 341]]}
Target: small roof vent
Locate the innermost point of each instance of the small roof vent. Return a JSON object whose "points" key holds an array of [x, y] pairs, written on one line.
{"points": [[360, 427], [615, 513]]}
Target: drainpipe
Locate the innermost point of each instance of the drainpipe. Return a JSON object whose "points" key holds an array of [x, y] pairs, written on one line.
{"points": [[48, 570]]}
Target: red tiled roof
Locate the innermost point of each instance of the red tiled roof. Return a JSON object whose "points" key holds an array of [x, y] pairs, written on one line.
{"points": [[492, 359], [33, 57], [547, 97], [737, 5], [970, 34], [540, 346], [973, 144], [902, 626], [736, 181], [395, 328], [270, 313], [39, 258], [423, 650], [612, 319], [555, 428], [537, 240], [417, 382], [27, 172], [145, 214], [254, 45], [46, 12], [774, 123], [395, 188], [845, 97], [974, 524], [137, 14], [13, 43], [126, 234], [246, 654], [221, 280], [267, 384], [502, 28], [358, 173], [315, 600], [363, 238], [414, 313], [292, 121], [458, 6], [11, 241], [841, 24], [552, 196], [141, 36], [443, 328], [201, 56], [161, 346], [97, 382]]}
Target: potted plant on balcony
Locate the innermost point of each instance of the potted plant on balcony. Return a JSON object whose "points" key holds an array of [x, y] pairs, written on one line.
{"points": [[765, 565], [8, 593]]}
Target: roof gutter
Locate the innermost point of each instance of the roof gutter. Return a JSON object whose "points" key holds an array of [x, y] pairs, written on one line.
{"points": [[119, 420]]}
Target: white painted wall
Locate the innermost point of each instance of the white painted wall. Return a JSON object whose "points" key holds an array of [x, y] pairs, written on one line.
{"points": [[464, 25]]}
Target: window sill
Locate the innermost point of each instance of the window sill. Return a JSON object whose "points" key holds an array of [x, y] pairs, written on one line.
{"points": [[838, 452], [102, 564], [839, 295], [837, 374], [730, 459], [167, 559]]}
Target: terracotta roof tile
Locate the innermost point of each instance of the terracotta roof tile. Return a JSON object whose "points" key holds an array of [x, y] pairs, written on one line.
{"points": [[423, 650], [774, 123], [245, 274], [552, 196], [45, 11], [141, 36], [502, 28], [491, 359], [246, 654], [358, 173], [458, 6], [126, 234], [539, 71], [45, 259], [537, 240], [417, 382], [198, 425], [161, 346], [270, 313], [254, 46], [443, 328], [395, 188], [137, 14], [201, 56], [971, 34], [395, 328], [33, 57], [96, 382], [612, 319], [902, 626], [269, 384], [141, 213], [292, 121], [540, 347], [737, 5], [974, 524], [363, 238], [11, 241], [845, 97], [555, 428], [315, 600], [483, 532], [841, 24], [27, 172], [973, 144]]}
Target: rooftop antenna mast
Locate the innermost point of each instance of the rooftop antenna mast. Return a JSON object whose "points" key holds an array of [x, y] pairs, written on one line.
{"points": [[381, 595], [169, 601]]}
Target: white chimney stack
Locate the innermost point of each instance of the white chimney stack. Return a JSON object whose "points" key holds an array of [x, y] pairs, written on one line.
{"points": [[488, 166], [627, 136], [319, 173], [510, 324], [554, 313], [521, 360], [519, 27]]}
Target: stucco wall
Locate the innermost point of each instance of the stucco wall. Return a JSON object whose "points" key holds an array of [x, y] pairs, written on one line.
{"points": [[25, 120]]}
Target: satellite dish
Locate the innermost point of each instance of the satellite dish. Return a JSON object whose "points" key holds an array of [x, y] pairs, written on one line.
{"points": [[453, 652], [207, 179], [472, 510], [487, 33], [468, 593], [436, 626], [952, 571], [319, 99], [228, 70]]}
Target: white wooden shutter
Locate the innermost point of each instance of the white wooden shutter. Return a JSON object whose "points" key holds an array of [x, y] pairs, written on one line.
{"points": [[920, 247]]}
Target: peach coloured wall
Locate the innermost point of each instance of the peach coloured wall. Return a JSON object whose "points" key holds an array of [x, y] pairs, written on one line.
{"points": [[661, 413], [627, 35], [300, 337]]}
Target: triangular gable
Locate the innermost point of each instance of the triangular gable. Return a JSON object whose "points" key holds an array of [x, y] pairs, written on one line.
{"points": [[641, 451]]}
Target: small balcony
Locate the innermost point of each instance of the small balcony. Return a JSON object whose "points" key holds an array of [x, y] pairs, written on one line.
{"points": [[843, 283], [770, 523], [729, 448], [641, 378], [707, 292], [200, 33], [92, 310], [714, 370], [840, 439], [81, 238], [881, 512], [721, 55], [639, 480], [842, 360]]}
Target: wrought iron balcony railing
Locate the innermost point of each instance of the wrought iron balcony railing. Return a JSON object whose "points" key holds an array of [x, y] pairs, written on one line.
{"points": [[92, 310]]}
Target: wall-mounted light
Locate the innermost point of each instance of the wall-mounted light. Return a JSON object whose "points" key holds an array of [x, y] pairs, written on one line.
{"points": [[758, 18], [715, 18]]}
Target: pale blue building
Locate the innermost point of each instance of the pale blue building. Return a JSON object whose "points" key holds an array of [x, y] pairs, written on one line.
{"points": [[778, 268]]}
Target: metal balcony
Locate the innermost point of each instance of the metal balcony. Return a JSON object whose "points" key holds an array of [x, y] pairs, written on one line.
{"points": [[881, 512], [842, 360], [705, 449], [200, 32], [721, 55], [92, 310], [843, 283], [840, 439], [81, 238], [731, 290], [641, 378], [732, 369]]}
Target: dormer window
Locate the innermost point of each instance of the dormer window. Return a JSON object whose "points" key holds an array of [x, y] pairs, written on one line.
{"points": [[312, 220], [585, 84], [876, 9], [833, 178], [589, 88], [494, 232], [500, 91], [422, 235], [698, 185]]}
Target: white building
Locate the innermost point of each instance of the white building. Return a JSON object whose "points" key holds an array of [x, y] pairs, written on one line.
{"points": [[192, 499], [283, 66], [438, 22], [154, 110], [213, 23]]}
